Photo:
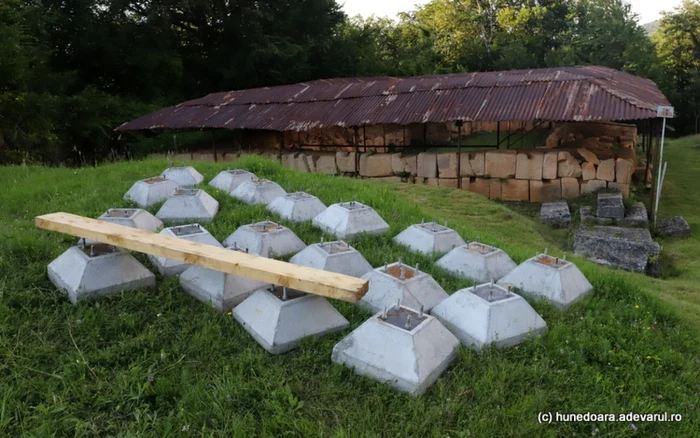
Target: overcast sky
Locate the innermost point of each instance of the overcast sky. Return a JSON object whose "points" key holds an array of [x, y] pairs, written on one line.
{"points": [[648, 10]]}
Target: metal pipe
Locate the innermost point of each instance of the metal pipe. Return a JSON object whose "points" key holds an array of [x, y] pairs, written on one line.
{"points": [[660, 177]]}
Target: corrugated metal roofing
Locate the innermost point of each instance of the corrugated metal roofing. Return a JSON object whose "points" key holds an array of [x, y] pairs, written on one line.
{"points": [[553, 94]]}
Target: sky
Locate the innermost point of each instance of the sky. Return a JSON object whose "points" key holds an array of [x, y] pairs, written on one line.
{"points": [[648, 10]]}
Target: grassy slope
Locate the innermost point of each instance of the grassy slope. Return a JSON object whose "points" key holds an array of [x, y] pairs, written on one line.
{"points": [[84, 369]]}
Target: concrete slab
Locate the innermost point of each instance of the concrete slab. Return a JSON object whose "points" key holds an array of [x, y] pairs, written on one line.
{"points": [[402, 347], [347, 220], [185, 176], [477, 261], [229, 180], [558, 281], [429, 238], [192, 232], [335, 256], [188, 205], [261, 191], [297, 206], [279, 318], [266, 238], [399, 282], [489, 314], [221, 290], [151, 191], [93, 271]]}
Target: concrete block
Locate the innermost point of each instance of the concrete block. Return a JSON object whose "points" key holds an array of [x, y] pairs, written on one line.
{"points": [[550, 165], [266, 239], [568, 166], [477, 185], [570, 188], [588, 171], [427, 165], [477, 163], [430, 238], [606, 170], [347, 220], [623, 171], [555, 213], [133, 218], [297, 206], [558, 281], [610, 205], [335, 256], [593, 186], [489, 314], [345, 162], [93, 271], [151, 191], [261, 191], [185, 176], [515, 190], [220, 290], [189, 205], [529, 165], [407, 354], [447, 165], [229, 180], [374, 165], [500, 164], [192, 232], [397, 281], [279, 318], [476, 261], [545, 191]]}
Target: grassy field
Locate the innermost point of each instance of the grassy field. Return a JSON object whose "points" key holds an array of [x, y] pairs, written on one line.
{"points": [[160, 363]]}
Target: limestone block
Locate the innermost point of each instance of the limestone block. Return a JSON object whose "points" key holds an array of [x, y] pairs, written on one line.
{"points": [[516, 190], [622, 188], [204, 156], [545, 191], [589, 156], [311, 162], [568, 166], [529, 166], [427, 165], [301, 164], [588, 171], [476, 185], [229, 156], [476, 162], [431, 181], [500, 164], [288, 159], [593, 185], [401, 164], [550, 165], [374, 165], [447, 165], [465, 167], [606, 170], [448, 182], [495, 189], [345, 161], [623, 171], [326, 164], [570, 188]]}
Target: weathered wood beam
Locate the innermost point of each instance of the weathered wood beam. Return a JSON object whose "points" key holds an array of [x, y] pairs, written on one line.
{"points": [[314, 281]]}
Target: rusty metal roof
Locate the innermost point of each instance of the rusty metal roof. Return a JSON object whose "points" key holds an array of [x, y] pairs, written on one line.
{"points": [[553, 94]]}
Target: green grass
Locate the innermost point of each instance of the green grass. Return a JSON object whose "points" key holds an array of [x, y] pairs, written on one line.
{"points": [[84, 370]]}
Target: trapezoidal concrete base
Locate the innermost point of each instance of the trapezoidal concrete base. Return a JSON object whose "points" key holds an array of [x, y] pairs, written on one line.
{"points": [[347, 220], [482, 263], [129, 217], [150, 191], [404, 348], [335, 256], [261, 191], [489, 314], [558, 281], [189, 205], [221, 290], [266, 238], [184, 176], [192, 232], [297, 206], [398, 282], [279, 318], [429, 238], [229, 180], [93, 271]]}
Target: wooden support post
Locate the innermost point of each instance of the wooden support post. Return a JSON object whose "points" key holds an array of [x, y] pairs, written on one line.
{"points": [[314, 281], [459, 154]]}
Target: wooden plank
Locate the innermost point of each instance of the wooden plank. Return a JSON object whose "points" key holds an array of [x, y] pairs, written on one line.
{"points": [[314, 281]]}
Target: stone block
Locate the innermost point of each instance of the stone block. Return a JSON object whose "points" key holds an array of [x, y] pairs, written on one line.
{"points": [[326, 164], [374, 165], [622, 188], [500, 164], [431, 181], [515, 190], [550, 165], [495, 189], [402, 164], [301, 164], [228, 156], [606, 170], [204, 156], [674, 226], [587, 171], [465, 168], [635, 216], [610, 205], [568, 166], [589, 156], [448, 182], [555, 213], [311, 162], [631, 249], [288, 159], [592, 186], [545, 191], [477, 163], [623, 171], [529, 166], [476, 185], [447, 165], [345, 161], [570, 188], [427, 165]]}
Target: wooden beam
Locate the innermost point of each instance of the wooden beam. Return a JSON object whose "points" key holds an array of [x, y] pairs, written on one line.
{"points": [[314, 281]]}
